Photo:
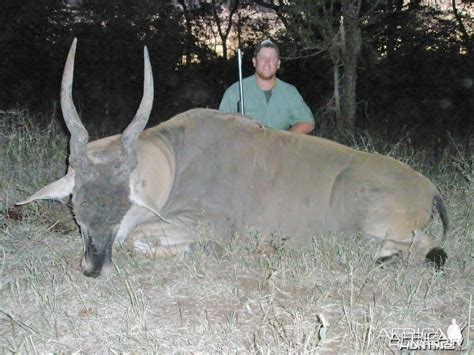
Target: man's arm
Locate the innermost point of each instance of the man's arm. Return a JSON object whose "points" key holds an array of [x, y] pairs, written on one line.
{"points": [[302, 119], [302, 127], [229, 102]]}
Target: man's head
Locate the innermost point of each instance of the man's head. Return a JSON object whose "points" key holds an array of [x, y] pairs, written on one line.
{"points": [[266, 59], [266, 44]]}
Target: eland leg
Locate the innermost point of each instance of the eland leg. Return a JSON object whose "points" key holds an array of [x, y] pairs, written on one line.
{"points": [[417, 242], [161, 239], [402, 239]]}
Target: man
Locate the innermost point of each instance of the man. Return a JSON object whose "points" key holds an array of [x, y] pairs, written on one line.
{"points": [[269, 100]]}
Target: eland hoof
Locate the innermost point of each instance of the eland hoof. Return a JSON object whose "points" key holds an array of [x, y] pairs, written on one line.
{"points": [[436, 257]]}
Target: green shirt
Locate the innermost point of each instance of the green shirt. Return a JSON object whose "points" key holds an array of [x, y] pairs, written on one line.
{"points": [[285, 108]]}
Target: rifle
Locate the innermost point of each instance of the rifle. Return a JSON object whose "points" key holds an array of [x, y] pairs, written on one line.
{"points": [[241, 107]]}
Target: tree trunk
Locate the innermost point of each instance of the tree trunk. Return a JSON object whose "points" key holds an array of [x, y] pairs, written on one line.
{"points": [[337, 91], [189, 31], [394, 7], [351, 45], [224, 32], [467, 39]]}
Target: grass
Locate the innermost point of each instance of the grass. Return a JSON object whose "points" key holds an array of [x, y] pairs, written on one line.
{"points": [[246, 297]]}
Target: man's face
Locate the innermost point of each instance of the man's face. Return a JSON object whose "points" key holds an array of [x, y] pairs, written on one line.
{"points": [[266, 63]]}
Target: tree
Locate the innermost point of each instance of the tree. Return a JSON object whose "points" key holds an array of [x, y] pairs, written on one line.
{"points": [[467, 38], [332, 28], [222, 29], [188, 22]]}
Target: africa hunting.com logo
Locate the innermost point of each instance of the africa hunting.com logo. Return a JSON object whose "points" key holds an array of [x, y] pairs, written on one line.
{"points": [[425, 338]]}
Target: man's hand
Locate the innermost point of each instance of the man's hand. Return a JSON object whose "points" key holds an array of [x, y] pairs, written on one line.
{"points": [[302, 127]]}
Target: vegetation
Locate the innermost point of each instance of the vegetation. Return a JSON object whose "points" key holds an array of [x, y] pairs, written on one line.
{"points": [[392, 67], [248, 295]]}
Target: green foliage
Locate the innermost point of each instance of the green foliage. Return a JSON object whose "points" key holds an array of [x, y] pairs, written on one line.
{"points": [[29, 31], [414, 72], [109, 70], [108, 75], [421, 76]]}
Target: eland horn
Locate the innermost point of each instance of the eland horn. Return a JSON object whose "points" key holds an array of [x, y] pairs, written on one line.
{"points": [[132, 132], [78, 157]]}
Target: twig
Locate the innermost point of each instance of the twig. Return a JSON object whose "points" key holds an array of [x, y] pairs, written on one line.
{"points": [[27, 327]]}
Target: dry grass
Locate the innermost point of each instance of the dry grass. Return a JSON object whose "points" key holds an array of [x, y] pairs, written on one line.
{"points": [[245, 297]]}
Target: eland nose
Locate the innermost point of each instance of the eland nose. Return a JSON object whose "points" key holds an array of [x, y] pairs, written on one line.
{"points": [[91, 269], [93, 273]]}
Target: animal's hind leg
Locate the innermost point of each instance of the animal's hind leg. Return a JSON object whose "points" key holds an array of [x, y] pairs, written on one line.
{"points": [[417, 242], [399, 229], [387, 250], [396, 238], [433, 253], [161, 239]]}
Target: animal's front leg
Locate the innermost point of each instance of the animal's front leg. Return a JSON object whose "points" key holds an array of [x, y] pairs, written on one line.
{"points": [[161, 239]]}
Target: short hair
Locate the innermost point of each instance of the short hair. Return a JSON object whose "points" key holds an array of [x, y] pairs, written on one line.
{"points": [[266, 44]]}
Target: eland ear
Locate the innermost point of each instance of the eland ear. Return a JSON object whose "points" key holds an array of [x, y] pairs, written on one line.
{"points": [[55, 191]]}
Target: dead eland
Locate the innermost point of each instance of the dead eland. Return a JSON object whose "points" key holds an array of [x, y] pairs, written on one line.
{"points": [[229, 170]]}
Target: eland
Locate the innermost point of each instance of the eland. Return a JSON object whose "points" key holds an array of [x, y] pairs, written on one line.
{"points": [[228, 170]]}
